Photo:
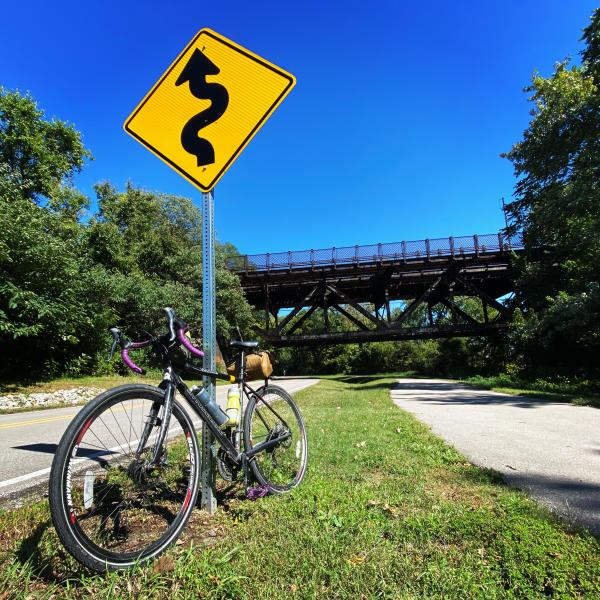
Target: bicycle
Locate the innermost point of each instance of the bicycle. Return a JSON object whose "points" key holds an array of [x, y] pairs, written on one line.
{"points": [[125, 476]]}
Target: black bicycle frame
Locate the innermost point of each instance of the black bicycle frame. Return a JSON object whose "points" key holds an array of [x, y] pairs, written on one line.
{"points": [[238, 457]]}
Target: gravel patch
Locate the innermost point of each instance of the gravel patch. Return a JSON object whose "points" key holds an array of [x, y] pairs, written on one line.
{"points": [[73, 396]]}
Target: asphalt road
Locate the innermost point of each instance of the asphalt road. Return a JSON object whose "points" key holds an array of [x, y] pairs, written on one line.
{"points": [[550, 449], [28, 441]]}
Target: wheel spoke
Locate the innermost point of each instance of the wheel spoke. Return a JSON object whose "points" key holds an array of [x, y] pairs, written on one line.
{"points": [[281, 466], [131, 512]]}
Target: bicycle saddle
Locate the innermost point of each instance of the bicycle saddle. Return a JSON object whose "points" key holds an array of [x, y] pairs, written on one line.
{"points": [[243, 345]]}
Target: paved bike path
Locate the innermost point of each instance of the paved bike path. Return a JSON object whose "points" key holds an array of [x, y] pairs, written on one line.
{"points": [[28, 441], [550, 449]]}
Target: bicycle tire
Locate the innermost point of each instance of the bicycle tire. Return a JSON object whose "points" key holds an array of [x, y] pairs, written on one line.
{"points": [[108, 514], [270, 411]]}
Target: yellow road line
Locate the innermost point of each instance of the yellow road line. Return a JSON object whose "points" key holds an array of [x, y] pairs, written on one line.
{"points": [[70, 416], [33, 421]]}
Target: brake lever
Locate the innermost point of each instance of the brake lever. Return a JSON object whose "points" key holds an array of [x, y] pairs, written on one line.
{"points": [[170, 313], [117, 338]]}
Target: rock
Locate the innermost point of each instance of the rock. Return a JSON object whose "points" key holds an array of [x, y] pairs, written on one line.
{"points": [[79, 395]]}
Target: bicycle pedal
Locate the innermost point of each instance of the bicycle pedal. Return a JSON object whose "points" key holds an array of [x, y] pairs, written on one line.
{"points": [[257, 491]]}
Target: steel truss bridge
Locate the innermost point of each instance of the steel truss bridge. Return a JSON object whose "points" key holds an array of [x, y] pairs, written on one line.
{"points": [[362, 283]]}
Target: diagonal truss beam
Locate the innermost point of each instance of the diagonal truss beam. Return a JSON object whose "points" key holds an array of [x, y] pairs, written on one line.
{"points": [[351, 317], [301, 320], [455, 308], [346, 300], [300, 306], [479, 292], [415, 303]]}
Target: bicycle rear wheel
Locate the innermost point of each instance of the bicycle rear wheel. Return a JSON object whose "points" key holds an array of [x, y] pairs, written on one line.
{"points": [[108, 512], [272, 412]]}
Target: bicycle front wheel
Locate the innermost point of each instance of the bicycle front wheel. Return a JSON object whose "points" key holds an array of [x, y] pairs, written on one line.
{"points": [[272, 413], [110, 512]]}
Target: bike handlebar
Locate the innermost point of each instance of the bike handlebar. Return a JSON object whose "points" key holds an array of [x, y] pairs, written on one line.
{"points": [[177, 329], [130, 363], [187, 344]]}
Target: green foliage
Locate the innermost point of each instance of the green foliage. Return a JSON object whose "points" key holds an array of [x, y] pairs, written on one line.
{"points": [[64, 281], [50, 306], [37, 155], [557, 206], [152, 242]]}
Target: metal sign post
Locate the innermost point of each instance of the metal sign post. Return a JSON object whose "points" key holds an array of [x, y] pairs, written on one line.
{"points": [[201, 142], [209, 451]]}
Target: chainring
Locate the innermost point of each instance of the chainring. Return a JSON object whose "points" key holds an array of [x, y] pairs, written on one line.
{"points": [[226, 468]]}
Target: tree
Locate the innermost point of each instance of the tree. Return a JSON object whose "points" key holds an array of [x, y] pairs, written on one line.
{"points": [[63, 281], [557, 206], [153, 241], [38, 156], [49, 304]]}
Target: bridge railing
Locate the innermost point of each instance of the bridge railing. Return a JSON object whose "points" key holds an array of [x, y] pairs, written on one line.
{"points": [[426, 249]]}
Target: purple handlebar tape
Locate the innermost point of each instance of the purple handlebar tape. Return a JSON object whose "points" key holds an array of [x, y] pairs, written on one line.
{"points": [[186, 343], [140, 344], [127, 361], [134, 367]]}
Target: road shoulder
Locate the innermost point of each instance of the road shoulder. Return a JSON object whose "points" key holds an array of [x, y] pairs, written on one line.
{"points": [[550, 449]]}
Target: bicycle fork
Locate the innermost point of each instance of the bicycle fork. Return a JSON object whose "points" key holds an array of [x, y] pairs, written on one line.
{"points": [[153, 420]]}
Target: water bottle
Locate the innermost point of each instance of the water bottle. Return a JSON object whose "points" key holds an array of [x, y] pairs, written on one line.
{"points": [[233, 406], [211, 406]]}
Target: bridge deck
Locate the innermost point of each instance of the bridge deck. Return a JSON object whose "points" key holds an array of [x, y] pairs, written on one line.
{"points": [[433, 272], [418, 249]]}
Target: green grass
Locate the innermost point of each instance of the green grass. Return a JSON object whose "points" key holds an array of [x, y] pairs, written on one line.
{"points": [[583, 393], [387, 510]]}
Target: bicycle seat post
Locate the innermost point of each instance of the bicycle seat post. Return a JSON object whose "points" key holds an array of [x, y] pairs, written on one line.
{"points": [[242, 366]]}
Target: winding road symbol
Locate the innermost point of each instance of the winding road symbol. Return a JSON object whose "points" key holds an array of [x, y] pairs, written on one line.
{"points": [[207, 106], [195, 72]]}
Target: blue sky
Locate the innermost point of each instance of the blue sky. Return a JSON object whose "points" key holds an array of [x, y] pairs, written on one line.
{"points": [[393, 131]]}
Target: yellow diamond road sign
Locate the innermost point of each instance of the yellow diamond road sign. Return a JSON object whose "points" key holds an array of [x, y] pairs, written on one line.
{"points": [[207, 106]]}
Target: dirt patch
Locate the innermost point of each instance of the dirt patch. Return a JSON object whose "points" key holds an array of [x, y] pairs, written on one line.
{"points": [[201, 530], [376, 477], [448, 486]]}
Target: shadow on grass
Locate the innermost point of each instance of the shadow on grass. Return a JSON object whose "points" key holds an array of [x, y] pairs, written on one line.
{"points": [[573, 504], [227, 492], [450, 393], [366, 382], [48, 566], [29, 549], [17, 387], [31, 554], [356, 379]]}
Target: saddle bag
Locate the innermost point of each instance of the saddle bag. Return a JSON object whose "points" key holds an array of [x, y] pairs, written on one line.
{"points": [[258, 366]]}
